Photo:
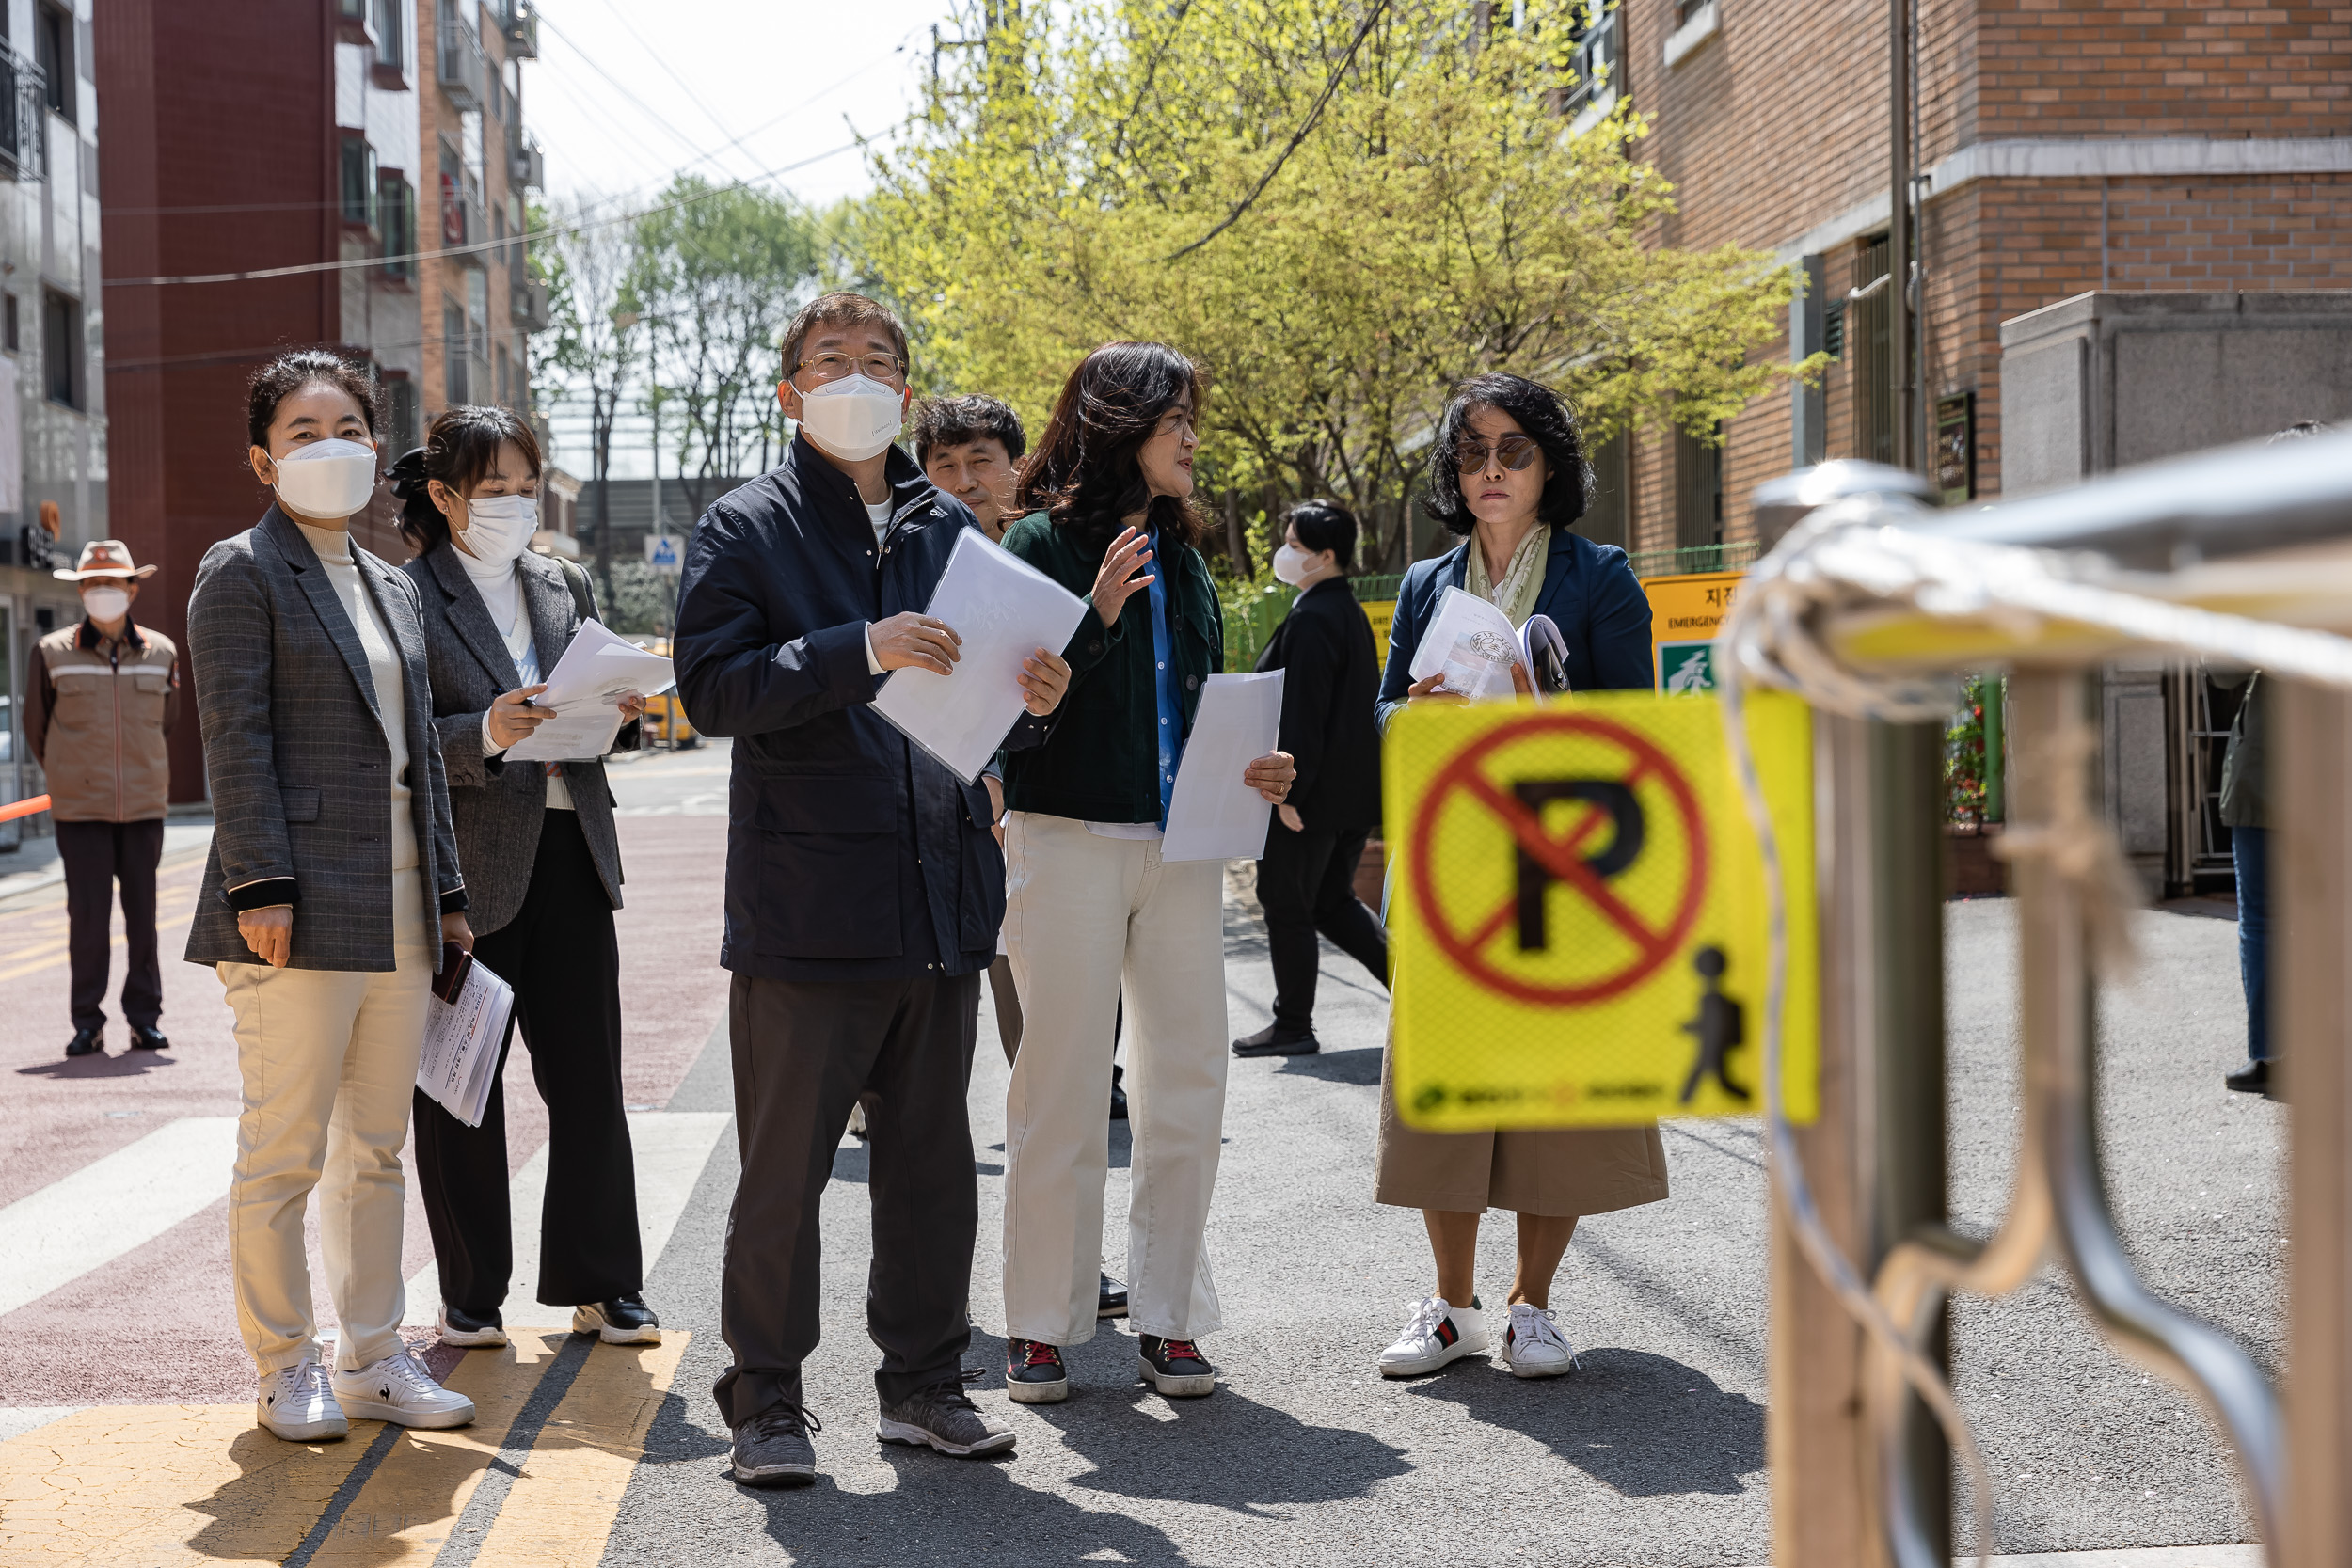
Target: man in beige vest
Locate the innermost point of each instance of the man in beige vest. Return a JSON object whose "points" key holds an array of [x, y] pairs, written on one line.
{"points": [[103, 696]]}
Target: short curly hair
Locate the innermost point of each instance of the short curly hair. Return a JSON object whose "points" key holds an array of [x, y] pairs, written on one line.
{"points": [[1543, 414], [974, 417]]}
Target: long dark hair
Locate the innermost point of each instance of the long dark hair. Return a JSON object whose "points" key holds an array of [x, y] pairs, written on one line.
{"points": [[287, 374], [1541, 413], [1084, 472], [458, 450]]}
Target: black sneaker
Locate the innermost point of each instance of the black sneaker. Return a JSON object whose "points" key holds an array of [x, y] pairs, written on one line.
{"points": [[1111, 1300], [461, 1326], [85, 1042], [772, 1448], [146, 1037], [1034, 1373], [623, 1320], [1275, 1040], [1175, 1367], [942, 1416], [2253, 1078]]}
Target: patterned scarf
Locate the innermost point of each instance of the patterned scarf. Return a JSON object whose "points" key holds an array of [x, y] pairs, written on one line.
{"points": [[1522, 580]]}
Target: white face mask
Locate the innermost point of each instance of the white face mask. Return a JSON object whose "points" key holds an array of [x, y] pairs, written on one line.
{"points": [[1292, 564], [853, 418], [327, 480], [498, 527], [106, 603]]}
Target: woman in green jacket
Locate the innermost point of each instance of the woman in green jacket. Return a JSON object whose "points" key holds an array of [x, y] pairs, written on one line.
{"points": [[1090, 898]]}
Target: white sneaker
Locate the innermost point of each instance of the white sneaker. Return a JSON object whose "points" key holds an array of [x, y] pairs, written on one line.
{"points": [[1436, 1334], [398, 1389], [295, 1403], [1533, 1346]]}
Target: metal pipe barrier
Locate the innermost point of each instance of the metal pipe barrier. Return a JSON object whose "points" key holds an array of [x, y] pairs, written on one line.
{"points": [[1867, 607]]}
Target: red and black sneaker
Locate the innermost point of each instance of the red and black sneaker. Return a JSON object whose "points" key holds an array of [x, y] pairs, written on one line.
{"points": [[1034, 1373], [1175, 1367]]}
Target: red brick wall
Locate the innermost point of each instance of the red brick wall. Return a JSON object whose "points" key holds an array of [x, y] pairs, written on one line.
{"points": [[1778, 124]]}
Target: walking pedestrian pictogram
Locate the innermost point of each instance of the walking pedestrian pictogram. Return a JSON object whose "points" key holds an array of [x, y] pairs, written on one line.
{"points": [[1577, 916]]}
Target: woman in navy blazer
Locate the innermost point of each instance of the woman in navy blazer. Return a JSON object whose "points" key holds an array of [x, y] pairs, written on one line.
{"points": [[1507, 471]]}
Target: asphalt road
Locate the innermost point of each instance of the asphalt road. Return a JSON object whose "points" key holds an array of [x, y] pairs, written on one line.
{"points": [[1653, 1454]]}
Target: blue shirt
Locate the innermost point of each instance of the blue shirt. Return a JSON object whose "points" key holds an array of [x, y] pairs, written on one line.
{"points": [[1171, 712]]}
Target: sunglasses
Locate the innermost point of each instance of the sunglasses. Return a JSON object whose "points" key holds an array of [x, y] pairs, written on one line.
{"points": [[1515, 453]]}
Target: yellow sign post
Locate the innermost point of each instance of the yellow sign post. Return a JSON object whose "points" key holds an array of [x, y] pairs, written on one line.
{"points": [[1578, 912], [1382, 615], [1684, 615]]}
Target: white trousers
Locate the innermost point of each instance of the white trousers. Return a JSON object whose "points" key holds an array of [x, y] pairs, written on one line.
{"points": [[1082, 917], [329, 1061]]}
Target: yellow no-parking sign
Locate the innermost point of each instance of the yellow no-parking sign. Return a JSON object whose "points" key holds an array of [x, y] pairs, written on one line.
{"points": [[1578, 912]]}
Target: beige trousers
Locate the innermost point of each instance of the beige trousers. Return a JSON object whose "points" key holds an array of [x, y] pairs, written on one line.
{"points": [[329, 1060], [1082, 917]]}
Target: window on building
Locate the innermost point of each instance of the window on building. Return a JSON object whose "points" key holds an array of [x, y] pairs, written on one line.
{"points": [[1604, 519], [61, 348], [1598, 49], [391, 35], [8, 330], [359, 182], [52, 50], [1699, 489], [454, 352], [1868, 348], [401, 395], [396, 220]]}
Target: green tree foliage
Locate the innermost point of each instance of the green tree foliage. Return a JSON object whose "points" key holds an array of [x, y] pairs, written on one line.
{"points": [[1337, 208], [718, 271]]}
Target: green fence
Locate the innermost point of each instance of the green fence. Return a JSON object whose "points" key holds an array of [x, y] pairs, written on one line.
{"points": [[1698, 558], [1252, 613]]}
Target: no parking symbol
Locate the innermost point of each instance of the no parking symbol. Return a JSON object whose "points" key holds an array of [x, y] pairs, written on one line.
{"points": [[1578, 918]]}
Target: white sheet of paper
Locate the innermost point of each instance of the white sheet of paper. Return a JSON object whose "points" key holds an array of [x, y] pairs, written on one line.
{"points": [[584, 696], [1005, 609], [602, 667], [1214, 816], [1472, 642], [460, 1043], [570, 734]]}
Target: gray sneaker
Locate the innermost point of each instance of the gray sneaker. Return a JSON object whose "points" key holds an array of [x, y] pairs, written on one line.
{"points": [[943, 1418], [772, 1448]]}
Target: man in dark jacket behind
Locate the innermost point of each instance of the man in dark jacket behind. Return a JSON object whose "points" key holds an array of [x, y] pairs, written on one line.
{"points": [[864, 891]]}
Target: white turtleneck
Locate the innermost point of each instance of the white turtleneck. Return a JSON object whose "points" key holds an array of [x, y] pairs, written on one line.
{"points": [[500, 585], [333, 548]]}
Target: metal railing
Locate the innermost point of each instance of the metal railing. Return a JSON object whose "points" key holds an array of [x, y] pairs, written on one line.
{"points": [[2229, 554], [23, 125], [462, 67], [1251, 614], [1729, 557]]}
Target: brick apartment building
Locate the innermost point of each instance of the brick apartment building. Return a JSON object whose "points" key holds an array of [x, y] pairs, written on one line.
{"points": [[346, 135], [2063, 148]]}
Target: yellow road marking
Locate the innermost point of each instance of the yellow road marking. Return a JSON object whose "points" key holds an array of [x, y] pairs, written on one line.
{"points": [[127, 1486], [121, 1485], [406, 1509], [561, 1510]]}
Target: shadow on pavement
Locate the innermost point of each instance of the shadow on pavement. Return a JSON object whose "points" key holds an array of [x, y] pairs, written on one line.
{"points": [[1360, 1066], [1644, 1425], [130, 1064], [1226, 1450]]}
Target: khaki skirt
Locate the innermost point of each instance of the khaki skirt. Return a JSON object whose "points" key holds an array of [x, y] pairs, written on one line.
{"points": [[1554, 1172]]}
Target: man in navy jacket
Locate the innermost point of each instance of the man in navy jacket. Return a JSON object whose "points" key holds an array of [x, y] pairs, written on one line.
{"points": [[864, 891]]}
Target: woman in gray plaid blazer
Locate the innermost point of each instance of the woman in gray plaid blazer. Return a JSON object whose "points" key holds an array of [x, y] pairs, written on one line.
{"points": [[330, 888], [543, 866]]}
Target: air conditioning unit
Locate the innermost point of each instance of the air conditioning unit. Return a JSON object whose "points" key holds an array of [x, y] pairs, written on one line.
{"points": [[529, 167], [521, 27], [532, 298]]}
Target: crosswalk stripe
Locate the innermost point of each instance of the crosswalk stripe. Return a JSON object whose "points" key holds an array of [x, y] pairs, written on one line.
{"points": [[669, 1148], [122, 1200]]}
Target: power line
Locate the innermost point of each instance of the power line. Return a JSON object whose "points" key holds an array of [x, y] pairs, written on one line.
{"points": [[480, 246]]}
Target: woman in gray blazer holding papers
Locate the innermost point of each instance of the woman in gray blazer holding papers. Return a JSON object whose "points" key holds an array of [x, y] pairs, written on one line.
{"points": [[539, 842], [330, 888]]}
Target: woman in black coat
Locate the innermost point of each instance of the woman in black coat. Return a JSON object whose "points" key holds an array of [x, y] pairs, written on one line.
{"points": [[1307, 881]]}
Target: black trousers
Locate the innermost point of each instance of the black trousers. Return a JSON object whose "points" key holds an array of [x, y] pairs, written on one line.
{"points": [[96, 855], [804, 1051], [560, 955], [1307, 883]]}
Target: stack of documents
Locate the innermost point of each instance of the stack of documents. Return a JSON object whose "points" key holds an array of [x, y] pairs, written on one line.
{"points": [[1005, 609], [1472, 643], [584, 692], [1213, 816], [462, 1042]]}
